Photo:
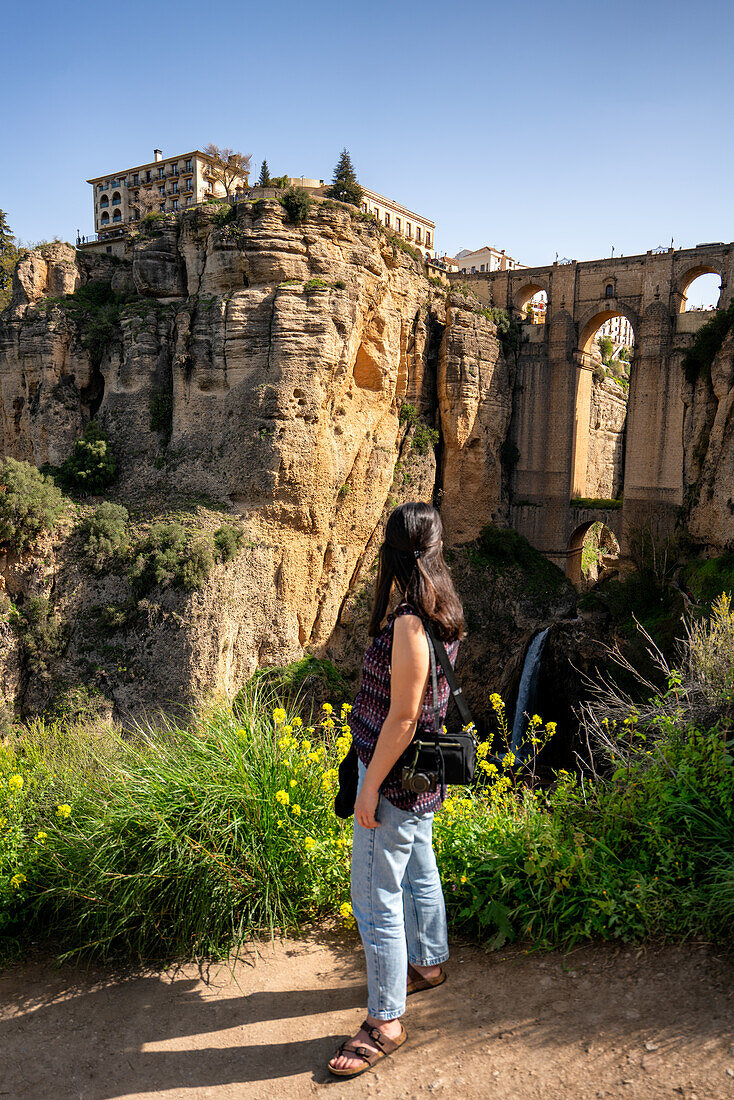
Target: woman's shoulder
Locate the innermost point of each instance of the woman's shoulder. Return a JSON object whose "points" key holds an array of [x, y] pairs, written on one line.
{"points": [[404, 608]]}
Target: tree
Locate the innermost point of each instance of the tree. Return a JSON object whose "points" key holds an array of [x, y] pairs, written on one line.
{"points": [[8, 259], [147, 201], [227, 166], [344, 186], [264, 180]]}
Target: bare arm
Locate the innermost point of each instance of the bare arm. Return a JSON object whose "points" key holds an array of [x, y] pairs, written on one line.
{"points": [[408, 682]]}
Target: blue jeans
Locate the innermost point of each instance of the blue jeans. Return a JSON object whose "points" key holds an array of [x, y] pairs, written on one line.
{"points": [[397, 902]]}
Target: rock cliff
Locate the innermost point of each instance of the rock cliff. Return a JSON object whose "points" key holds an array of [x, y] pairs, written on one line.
{"points": [[300, 378], [709, 444]]}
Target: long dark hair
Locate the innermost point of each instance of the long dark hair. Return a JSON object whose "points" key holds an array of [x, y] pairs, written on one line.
{"points": [[411, 558]]}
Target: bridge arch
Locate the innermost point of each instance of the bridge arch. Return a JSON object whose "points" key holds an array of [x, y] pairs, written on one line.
{"points": [[690, 276], [595, 317], [577, 570], [527, 291]]}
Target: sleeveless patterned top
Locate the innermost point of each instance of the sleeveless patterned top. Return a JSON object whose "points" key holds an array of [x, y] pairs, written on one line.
{"points": [[371, 707]]}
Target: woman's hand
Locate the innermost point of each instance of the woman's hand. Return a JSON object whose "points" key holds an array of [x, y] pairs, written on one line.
{"points": [[365, 808]]}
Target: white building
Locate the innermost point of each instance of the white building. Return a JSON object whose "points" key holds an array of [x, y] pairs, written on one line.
{"points": [[485, 259]]}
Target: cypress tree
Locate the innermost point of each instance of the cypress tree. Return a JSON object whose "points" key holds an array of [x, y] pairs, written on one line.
{"points": [[344, 186], [264, 180], [8, 260]]}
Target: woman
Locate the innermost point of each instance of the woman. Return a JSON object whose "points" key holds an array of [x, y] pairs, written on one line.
{"points": [[396, 891]]}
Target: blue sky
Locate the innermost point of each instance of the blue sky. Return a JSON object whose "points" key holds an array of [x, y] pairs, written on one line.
{"points": [[536, 127]]}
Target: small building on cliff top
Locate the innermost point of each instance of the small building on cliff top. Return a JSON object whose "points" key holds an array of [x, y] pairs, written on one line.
{"points": [[485, 259]]}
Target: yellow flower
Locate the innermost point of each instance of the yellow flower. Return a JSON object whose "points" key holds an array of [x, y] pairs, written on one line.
{"points": [[17, 881], [64, 810], [279, 716], [496, 701], [449, 806], [287, 729], [15, 782], [314, 757], [297, 723], [509, 759], [483, 749], [550, 728], [41, 836], [309, 843], [489, 769], [346, 914], [306, 746], [327, 708], [294, 782], [536, 720], [346, 708], [310, 729], [328, 723], [346, 730], [282, 797], [296, 810], [463, 879]]}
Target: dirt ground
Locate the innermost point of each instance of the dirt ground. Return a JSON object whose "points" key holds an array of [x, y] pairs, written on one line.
{"points": [[598, 1022]]}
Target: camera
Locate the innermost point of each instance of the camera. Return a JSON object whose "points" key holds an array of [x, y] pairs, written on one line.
{"points": [[419, 782]]}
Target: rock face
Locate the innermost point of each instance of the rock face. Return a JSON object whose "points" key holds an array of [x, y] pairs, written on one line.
{"points": [[606, 440], [709, 438], [262, 365]]}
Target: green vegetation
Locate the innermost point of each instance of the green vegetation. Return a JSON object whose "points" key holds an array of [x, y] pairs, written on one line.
{"points": [[182, 841], [509, 330], [344, 186], [30, 503], [264, 180], [707, 579], [106, 534], [170, 556], [95, 308], [501, 549], [91, 466], [41, 631], [228, 540], [297, 203], [9, 254], [698, 360], [424, 437], [315, 284]]}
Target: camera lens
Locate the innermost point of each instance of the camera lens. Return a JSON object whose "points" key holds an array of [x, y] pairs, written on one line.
{"points": [[421, 782]]}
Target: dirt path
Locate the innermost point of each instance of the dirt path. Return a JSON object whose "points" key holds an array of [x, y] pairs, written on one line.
{"points": [[595, 1023]]}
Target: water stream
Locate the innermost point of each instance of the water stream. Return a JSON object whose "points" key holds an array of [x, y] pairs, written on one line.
{"points": [[526, 691]]}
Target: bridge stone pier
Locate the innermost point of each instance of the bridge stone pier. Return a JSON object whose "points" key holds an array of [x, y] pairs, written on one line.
{"points": [[552, 431]]}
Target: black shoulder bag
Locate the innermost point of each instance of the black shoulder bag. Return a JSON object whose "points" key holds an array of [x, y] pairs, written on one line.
{"points": [[448, 758]]}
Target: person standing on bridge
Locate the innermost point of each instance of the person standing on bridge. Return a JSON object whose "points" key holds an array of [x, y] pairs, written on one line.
{"points": [[396, 890]]}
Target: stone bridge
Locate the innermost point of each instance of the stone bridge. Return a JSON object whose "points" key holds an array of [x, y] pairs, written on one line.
{"points": [[558, 431]]}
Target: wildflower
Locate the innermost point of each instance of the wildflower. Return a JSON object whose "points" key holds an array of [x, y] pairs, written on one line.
{"points": [[346, 708], [310, 729], [41, 836], [449, 806], [64, 810], [297, 723], [327, 708], [17, 881], [483, 749], [314, 757], [489, 769], [550, 728], [536, 720], [309, 843], [287, 729], [462, 880], [496, 700], [282, 797], [346, 730], [15, 783], [328, 723], [346, 914], [294, 783], [296, 809], [306, 746], [279, 716], [509, 759]]}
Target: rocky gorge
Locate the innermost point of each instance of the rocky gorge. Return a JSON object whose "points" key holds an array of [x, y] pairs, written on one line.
{"points": [[298, 379]]}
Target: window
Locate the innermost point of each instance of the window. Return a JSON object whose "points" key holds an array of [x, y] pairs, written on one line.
{"points": [[116, 199], [108, 248], [187, 165], [174, 187], [162, 189], [364, 207], [398, 226], [481, 268], [175, 204], [136, 180], [609, 292], [188, 185], [428, 239], [105, 218], [148, 176], [189, 200], [117, 216], [409, 229], [104, 201], [473, 271], [161, 173], [418, 233], [387, 218]]}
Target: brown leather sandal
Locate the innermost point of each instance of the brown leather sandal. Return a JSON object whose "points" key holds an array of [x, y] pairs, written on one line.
{"points": [[369, 1057], [417, 983]]}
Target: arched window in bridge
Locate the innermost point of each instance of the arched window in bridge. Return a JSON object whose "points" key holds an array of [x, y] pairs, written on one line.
{"points": [[609, 291], [701, 294]]}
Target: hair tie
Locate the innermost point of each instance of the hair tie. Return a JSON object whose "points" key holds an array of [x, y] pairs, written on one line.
{"points": [[417, 553]]}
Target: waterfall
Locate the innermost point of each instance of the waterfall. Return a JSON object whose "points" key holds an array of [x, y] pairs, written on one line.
{"points": [[527, 689]]}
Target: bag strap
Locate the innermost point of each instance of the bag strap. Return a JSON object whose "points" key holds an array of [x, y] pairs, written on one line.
{"points": [[435, 644]]}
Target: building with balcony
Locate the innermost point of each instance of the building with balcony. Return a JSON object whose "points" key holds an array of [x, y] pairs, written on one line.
{"points": [[166, 184]]}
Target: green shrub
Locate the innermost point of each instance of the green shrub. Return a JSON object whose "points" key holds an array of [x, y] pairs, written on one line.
{"points": [[708, 579], [91, 466], [95, 308], [227, 541], [41, 631], [106, 532], [315, 284], [297, 203], [594, 502], [424, 438], [408, 413], [30, 503], [170, 556]]}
